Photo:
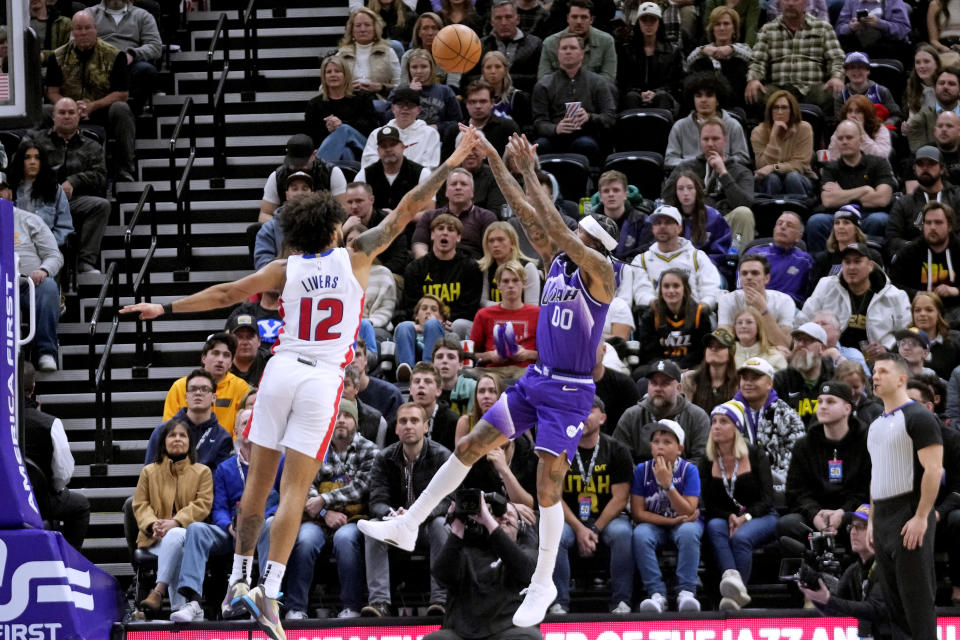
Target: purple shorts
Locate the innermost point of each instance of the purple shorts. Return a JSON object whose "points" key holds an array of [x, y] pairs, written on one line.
{"points": [[557, 404]]}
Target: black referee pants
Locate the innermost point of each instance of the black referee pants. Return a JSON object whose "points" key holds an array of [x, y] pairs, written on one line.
{"points": [[907, 577]]}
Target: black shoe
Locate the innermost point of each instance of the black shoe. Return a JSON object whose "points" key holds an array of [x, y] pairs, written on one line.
{"points": [[376, 610], [436, 609]]}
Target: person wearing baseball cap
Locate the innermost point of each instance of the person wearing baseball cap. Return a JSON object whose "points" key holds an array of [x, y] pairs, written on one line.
{"points": [[666, 489], [421, 142], [715, 379], [914, 345], [932, 261], [807, 369], [859, 592], [249, 360], [739, 510], [830, 468], [300, 156], [868, 307], [770, 422], [671, 250], [663, 401], [856, 66], [846, 231], [929, 171], [268, 245]]}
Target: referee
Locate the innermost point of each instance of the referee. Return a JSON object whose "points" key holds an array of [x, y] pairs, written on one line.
{"points": [[906, 453]]}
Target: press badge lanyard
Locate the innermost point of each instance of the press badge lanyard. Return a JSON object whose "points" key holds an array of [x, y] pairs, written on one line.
{"points": [[835, 469], [729, 484], [586, 504]]}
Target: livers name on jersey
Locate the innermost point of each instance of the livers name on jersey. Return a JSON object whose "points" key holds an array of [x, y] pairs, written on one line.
{"points": [[312, 283]]}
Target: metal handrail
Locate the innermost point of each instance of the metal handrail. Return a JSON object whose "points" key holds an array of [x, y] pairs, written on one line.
{"points": [[218, 181], [144, 347], [184, 223], [251, 52], [100, 371], [219, 31]]}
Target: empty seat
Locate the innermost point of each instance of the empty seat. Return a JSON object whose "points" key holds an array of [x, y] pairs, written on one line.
{"points": [[644, 170], [572, 171], [889, 73], [643, 130], [767, 210], [814, 115]]}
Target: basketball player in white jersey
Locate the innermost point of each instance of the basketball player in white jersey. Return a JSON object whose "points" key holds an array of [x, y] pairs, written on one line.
{"points": [[299, 395]]}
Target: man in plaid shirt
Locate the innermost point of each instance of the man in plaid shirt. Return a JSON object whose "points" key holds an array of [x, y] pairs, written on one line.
{"points": [[337, 499], [799, 53]]}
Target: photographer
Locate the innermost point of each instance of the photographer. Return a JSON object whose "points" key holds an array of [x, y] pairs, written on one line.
{"points": [[484, 572], [858, 594]]}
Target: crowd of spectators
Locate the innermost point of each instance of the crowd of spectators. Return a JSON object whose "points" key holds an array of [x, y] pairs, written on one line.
{"points": [[736, 369]]}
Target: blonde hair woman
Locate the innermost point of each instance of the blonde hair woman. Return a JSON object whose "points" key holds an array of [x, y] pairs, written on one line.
{"points": [[501, 244], [752, 340], [371, 59], [339, 119]]}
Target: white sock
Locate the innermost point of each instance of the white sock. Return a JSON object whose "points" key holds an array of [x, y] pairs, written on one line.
{"points": [[242, 566], [551, 528], [271, 578], [448, 477]]}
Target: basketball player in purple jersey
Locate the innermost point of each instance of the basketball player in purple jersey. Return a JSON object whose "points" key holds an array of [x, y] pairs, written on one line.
{"points": [[322, 288], [556, 393]]}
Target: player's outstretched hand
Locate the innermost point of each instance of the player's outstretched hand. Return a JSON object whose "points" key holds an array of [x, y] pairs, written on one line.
{"points": [[522, 152], [469, 138], [147, 310]]}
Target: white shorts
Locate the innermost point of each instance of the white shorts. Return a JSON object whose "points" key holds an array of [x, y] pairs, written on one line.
{"points": [[297, 405]]}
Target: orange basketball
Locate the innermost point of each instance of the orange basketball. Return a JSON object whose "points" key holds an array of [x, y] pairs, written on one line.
{"points": [[456, 48]]}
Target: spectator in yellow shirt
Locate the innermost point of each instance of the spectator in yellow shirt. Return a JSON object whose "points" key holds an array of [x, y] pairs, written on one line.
{"points": [[216, 357]]}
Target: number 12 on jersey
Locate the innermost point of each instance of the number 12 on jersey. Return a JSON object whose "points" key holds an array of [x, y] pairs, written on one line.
{"points": [[323, 314]]}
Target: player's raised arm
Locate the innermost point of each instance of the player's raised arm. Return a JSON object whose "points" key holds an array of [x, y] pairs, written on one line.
{"points": [[533, 225], [271, 276], [595, 267], [372, 242]]}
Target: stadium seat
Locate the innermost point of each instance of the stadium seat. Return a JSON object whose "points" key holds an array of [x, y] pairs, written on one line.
{"points": [[644, 170], [643, 130], [814, 115], [572, 171], [889, 73], [767, 210]]}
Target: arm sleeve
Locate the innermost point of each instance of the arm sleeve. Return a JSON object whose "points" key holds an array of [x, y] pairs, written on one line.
{"points": [[609, 68], [221, 510], [62, 462], [63, 221], [738, 191], [338, 182], [674, 154], [120, 74], [142, 509], [738, 146], [758, 68], [541, 111], [54, 72], [762, 468], [382, 308], [802, 150], [379, 501], [643, 291], [151, 45], [199, 508], [51, 260], [710, 282]]}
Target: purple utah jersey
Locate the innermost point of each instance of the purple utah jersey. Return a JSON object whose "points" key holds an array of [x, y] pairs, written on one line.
{"points": [[556, 394], [571, 321]]}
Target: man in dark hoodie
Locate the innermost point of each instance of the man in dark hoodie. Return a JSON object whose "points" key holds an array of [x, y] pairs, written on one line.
{"points": [[829, 470], [213, 442], [798, 384], [930, 263], [446, 272], [663, 400]]}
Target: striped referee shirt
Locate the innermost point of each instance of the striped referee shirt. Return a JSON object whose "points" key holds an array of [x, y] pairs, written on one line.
{"points": [[800, 59], [893, 441]]}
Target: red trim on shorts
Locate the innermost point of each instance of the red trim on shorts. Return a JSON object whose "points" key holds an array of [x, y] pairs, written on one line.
{"points": [[322, 451]]}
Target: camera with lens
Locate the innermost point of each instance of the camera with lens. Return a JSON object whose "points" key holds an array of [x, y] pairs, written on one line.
{"points": [[819, 561], [467, 503]]}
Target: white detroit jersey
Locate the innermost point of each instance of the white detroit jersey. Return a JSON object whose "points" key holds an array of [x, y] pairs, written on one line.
{"points": [[321, 306]]}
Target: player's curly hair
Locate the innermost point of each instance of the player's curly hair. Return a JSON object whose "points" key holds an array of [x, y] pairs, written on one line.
{"points": [[310, 222]]}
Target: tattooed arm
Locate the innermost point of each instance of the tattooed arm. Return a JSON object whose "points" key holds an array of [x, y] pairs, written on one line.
{"points": [[595, 268], [372, 242], [532, 225]]}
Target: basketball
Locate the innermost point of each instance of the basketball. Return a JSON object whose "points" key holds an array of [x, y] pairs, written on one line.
{"points": [[456, 49]]}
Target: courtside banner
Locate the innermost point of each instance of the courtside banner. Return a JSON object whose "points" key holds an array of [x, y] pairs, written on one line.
{"points": [[772, 628], [48, 591], [19, 505]]}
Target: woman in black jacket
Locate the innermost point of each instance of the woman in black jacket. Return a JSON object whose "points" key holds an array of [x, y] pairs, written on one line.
{"points": [[736, 491], [339, 119], [649, 68]]}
